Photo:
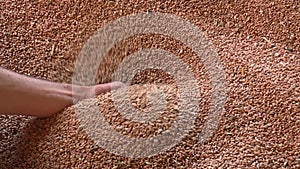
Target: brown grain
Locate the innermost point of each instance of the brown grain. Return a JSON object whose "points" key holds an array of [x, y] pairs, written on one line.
{"points": [[259, 46]]}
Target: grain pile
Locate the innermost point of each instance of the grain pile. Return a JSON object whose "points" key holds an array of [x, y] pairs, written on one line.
{"points": [[259, 46]]}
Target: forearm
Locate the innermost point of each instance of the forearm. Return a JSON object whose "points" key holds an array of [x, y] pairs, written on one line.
{"points": [[24, 95]]}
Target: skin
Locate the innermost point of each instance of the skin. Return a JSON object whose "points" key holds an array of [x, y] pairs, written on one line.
{"points": [[23, 95]]}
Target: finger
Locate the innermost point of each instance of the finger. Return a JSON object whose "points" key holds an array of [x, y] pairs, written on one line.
{"points": [[106, 87]]}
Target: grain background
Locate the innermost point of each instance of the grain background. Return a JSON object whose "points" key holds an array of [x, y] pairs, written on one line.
{"points": [[257, 41]]}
